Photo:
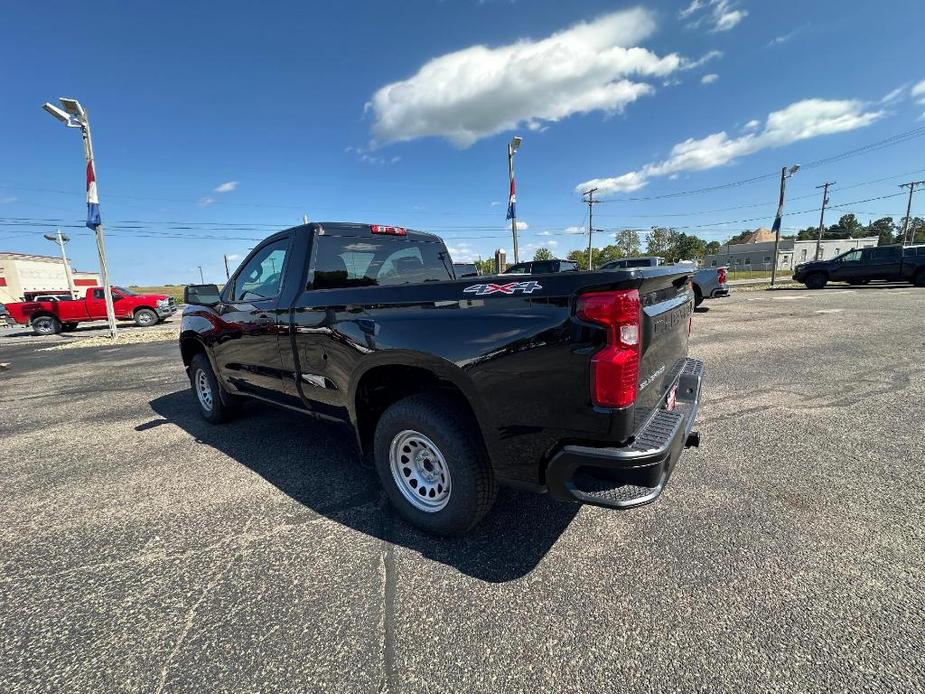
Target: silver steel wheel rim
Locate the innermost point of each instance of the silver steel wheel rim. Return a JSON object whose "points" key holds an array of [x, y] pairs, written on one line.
{"points": [[204, 390], [44, 325], [420, 471], [147, 318]]}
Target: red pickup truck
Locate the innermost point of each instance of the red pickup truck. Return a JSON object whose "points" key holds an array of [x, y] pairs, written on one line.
{"points": [[51, 317]]}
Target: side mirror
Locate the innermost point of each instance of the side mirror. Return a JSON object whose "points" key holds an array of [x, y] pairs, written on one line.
{"points": [[201, 294]]}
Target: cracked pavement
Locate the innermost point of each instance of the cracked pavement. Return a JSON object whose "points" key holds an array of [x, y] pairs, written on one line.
{"points": [[142, 549]]}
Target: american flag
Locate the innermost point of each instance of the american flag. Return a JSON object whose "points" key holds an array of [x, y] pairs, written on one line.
{"points": [[93, 200]]}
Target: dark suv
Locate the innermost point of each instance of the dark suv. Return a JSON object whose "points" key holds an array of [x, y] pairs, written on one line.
{"points": [[863, 265]]}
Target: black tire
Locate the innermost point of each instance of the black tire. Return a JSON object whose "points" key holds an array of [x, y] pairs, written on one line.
{"points": [[817, 280], [698, 297], [68, 327], [46, 325], [145, 318], [220, 406], [919, 279], [449, 427]]}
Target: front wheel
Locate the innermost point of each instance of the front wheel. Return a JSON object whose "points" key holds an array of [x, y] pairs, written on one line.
{"points": [[46, 325], [431, 462], [215, 405], [816, 281], [145, 317]]}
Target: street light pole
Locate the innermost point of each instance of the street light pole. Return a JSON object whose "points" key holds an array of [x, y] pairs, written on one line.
{"points": [[512, 147], [62, 239], [911, 186], [74, 116], [784, 175]]}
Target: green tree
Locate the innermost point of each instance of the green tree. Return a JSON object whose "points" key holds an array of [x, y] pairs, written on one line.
{"points": [[580, 256], [608, 253], [917, 224], [628, 242], [884, 229], [659, 241], [486, 267], [684, 247], [713, 247], [847, 227], [543, 254]]}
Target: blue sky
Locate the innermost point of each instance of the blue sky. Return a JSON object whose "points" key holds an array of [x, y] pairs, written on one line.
{"points": [[399, 113]]}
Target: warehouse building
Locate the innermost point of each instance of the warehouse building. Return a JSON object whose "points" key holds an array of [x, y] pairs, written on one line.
{"points": [[757, 256], [24, 276]]}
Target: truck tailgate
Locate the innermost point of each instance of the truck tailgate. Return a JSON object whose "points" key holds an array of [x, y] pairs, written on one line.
{"points": [[667, 303]]}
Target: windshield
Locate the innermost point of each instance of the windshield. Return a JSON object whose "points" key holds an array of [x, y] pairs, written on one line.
{"points": [[123, 290]]}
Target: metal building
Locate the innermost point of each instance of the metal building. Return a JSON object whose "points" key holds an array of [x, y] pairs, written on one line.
{"points": [[757, 256]]}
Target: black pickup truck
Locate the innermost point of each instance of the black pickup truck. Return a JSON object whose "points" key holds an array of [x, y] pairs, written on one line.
{"points": [[862, 265], [576, 384]]}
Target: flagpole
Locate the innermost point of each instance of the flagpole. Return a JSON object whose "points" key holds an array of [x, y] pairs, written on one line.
{"points": [[511, 204], [98, 228]]}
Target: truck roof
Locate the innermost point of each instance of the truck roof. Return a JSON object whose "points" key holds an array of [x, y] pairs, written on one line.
{"points": [[363, 229]]}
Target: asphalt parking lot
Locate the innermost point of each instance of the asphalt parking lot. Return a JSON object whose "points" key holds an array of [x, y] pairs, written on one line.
{"points": [[142, 549]]}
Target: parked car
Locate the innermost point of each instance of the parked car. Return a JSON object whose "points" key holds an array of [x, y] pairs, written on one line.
{"points": [[541, 267], [561, 384], [863, 265], [5, 319], [466, 270], [51, 316], [708, 283]]}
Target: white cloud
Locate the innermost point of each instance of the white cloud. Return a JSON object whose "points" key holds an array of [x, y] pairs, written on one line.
{"points": [[709, 79], [8, 200], [204, 201], [480, 91], [801, 120], [719, 15], [233, 256], [894, 95], [226, 187], [545, 233], [918, 92], [462, 253], [495, 203], [521, 226], [575, 230], [752, 125]]}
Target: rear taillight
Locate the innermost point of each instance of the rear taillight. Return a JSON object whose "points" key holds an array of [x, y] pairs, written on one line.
{"points": [[615, 368], [391, 231], [722, 275]]}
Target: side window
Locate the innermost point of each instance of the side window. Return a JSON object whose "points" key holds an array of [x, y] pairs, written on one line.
{"points": [[262, 276], [852, 257], [98, 294]]}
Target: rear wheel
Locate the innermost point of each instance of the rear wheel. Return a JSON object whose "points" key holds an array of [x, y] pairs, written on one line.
{"points": [[145, 317], [46, 325], [215, 405], [432, 464], [816, 281]]}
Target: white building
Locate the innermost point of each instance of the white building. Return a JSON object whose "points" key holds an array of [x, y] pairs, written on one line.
{"points": [[745, 256], [23, 276]]}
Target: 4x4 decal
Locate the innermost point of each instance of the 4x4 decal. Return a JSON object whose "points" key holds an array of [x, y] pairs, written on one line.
{"points": [[509, 288]]}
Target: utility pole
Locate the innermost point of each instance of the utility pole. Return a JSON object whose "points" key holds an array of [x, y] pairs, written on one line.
{"points": [[512, 147], [304, 219], [62, 239], [784, 175], [591, 202], [911, 186], [825, 201], [201, 280], [74, 116], [227, 274]]}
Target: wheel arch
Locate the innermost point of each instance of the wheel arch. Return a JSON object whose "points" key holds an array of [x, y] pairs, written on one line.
{"points": [[382, 384]]}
